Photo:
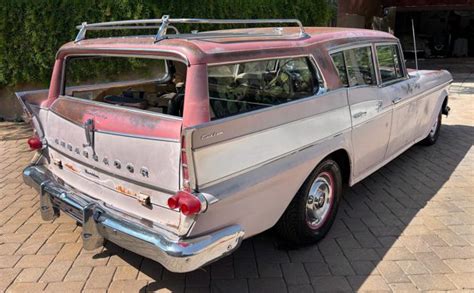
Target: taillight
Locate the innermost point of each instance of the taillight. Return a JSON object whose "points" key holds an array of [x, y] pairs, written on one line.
{"points": [[184, 166], [184, 200], [173, 202], [188, 203], [35, 143]]}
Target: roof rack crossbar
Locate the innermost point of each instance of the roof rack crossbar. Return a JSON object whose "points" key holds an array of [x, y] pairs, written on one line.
{"points": [[166, 22]]}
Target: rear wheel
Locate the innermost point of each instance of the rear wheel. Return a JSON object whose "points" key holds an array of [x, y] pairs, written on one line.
{"points": [[434, 132], [313, 209]]}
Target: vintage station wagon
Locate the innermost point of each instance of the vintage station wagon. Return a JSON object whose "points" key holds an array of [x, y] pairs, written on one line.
{"points": [[179, 146]]}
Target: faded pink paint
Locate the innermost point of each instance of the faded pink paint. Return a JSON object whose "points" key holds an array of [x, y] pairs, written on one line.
{"points": [[197, 54]]}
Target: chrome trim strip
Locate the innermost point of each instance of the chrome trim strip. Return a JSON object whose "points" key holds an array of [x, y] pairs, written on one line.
{"points": [[107, 52], [177, 254], [138, 111], [138, 136]]}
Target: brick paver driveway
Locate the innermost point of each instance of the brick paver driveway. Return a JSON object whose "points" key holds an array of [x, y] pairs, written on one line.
{"points": [[409, 226]]}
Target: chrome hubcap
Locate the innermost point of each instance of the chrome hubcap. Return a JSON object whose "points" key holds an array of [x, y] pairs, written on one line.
{"points": [[434, 127], [319, 201]]}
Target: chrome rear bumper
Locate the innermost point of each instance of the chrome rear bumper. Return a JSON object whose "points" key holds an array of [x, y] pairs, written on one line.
{"points": [[100, 222]]}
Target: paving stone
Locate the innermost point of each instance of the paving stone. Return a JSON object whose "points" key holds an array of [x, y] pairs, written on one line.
{"points": [[229, 286], [315, 269], [461, 265], [65, 287], [126, 273], [403, 287], [267, 285], [432, 282], [127, 285], [7, 276], [26, 287], [368, 283], [78, 274], [56, 271], [32, 261], [30, 275], [330, 284], [433, 263], [391, 272], [100, 277], [412, 267], [302, 288], [294, 274], [8, 261], [464, 281]]}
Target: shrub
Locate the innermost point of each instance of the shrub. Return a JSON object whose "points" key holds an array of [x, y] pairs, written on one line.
{"points": [[32, 31]]}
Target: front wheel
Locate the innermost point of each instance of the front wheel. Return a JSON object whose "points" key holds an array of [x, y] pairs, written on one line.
{"points": [[313, 209], [434, 132]]}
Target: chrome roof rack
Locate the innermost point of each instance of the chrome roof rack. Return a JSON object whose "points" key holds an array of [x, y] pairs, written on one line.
{"points": [[166, 22]]}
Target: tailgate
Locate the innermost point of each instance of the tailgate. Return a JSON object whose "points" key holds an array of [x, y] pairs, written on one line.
{"points": [[134, 153]]}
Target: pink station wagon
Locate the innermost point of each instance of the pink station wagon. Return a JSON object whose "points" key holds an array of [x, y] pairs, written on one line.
{"points": [[177, 146]]}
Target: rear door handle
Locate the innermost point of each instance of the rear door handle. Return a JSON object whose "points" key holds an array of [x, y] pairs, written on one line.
{"points": [[396, 100]]}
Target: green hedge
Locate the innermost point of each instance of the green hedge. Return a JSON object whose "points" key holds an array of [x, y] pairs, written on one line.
{"points": [[32, 31]]}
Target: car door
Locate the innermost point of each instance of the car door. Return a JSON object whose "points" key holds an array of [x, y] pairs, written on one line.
{"points": [[396, 87], [370, 110]]}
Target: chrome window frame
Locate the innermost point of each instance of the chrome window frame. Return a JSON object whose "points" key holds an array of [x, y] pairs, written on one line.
{"points": [[62, 92], [401, 61], [356, 46]]}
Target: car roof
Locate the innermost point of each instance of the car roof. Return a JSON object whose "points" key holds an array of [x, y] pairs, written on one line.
{"points": [[228, 49]]}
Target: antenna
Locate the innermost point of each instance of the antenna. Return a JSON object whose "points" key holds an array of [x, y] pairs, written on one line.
{"points": [[414, 43]]}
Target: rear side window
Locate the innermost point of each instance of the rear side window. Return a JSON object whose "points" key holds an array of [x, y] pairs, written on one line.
{"points": [[338, 59], [249, 86], [360, 67], [389, 62]]}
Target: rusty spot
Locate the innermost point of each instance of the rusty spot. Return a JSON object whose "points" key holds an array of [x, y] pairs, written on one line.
{"points": [[125, 191], [71, 167]]}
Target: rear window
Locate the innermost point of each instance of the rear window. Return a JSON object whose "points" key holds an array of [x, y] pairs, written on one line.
{"points": [[149, 84], [249, 86]]}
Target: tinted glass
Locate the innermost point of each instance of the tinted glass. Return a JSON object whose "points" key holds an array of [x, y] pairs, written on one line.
{"points": [[338, 59], [389, 62], [360, 67], [248, 86]]}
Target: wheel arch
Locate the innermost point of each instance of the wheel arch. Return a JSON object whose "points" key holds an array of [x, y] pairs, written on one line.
{"points": [[342, 158]]}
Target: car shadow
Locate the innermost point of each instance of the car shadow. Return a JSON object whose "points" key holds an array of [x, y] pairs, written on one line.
{"points": [[373, 215]]}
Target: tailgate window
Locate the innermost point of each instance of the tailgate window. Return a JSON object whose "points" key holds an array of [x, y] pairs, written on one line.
{"points": [[249, 86], [155, 85]]}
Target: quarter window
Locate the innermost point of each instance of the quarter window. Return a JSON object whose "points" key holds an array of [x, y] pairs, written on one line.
{"points": [[360, 67], [389, 62], [249, 86]]}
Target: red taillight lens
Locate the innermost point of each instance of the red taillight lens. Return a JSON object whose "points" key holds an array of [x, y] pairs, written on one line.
{"points": [[173, 202], [188, 203], [35, 143]]}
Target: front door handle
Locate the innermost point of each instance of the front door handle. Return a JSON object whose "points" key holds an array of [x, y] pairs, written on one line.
{"points": [[359, 114], [396, 100]]}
